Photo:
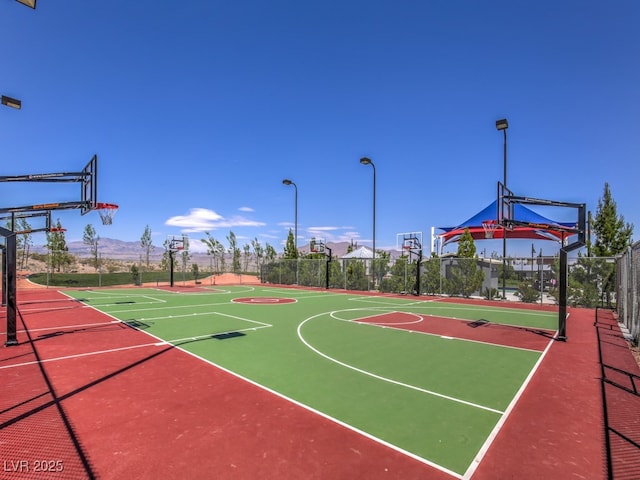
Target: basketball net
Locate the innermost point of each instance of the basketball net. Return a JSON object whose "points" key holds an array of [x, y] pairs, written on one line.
{"points": [[107, 212], [489, 227]]}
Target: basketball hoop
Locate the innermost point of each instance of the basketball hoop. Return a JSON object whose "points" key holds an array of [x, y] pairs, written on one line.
{"points": [[107, 212], [316, 245], [489, 227]]}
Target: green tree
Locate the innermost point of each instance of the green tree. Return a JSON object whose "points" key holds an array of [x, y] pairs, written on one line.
{"points": [[91, 239], [431, 276], [612, 236], [336, 277], [185, 256], [612, 233], [270, 253], [312, 271], [466, 276], [258, 251], [195, 270], [585, 281], [396, 282], [135, 274], [147, 244], [290, 251], [234, 251], [165, 263], [24, 241], [58, 251], [356, 275], [381, 265], [510, 272], [216, 250], [246, 256]]}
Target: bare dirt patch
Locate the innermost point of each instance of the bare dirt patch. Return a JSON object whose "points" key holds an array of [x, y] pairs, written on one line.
{"points": [[223, 279]]}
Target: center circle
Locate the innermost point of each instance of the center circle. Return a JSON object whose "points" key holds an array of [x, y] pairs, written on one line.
{"points": [[263, 300]]}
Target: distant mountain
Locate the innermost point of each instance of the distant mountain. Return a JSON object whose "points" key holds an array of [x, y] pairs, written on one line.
{"points": [[113, 248], [108, 247]]}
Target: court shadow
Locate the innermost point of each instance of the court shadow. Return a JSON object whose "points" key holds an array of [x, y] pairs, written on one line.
{"points": [[228, 335], [478, 323], [89, 329], [137, 324], [536, 331]]}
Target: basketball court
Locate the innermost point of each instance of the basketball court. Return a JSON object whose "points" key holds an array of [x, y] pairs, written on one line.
{"points": [[259, 382]]}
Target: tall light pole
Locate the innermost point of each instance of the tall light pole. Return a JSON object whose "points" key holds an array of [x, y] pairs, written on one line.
{"points": [[503, 125], [366, 161], [286, 181], [533, 252]]}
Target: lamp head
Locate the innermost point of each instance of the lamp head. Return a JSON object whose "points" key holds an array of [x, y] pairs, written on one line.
{"points": [[286, 181], [502, 124], [11, 102], [365, 161], [28, 3]]}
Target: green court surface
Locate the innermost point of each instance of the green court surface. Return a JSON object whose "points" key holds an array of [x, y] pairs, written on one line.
{"points": [[370, 363]]}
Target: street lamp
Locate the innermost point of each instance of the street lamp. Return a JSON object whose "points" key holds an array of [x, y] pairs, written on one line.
{"points": [[533, 252], [286, 181], [28, 3], [366, 161], [11, 102], [503, 125]]}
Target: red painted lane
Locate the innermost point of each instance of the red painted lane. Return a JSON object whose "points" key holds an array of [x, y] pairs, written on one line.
{"points": [[488, 332]]}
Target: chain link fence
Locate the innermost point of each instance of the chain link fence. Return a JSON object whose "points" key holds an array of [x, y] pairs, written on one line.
{"points": [[628, 290], [532, 280], [592, 281]]}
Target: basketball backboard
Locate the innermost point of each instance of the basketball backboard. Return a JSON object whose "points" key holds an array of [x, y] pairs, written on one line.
{"points": [[504, 206], [409, 241], [89, 187], [178, 243], [316, 245], [42, 219]]}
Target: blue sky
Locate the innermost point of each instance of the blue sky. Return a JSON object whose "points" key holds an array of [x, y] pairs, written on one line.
{"points": [[198, 110]]}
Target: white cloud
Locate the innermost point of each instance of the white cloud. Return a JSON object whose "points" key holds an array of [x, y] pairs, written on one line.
{"points": [[246, 209], [322, 229], [333, 234], [203, 219]]}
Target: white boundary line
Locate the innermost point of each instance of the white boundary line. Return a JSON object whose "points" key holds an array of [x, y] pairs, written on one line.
{"points": [[386, 379], [328, 417], [494, 433], [60, 327], [87, 354], [503, 415]]}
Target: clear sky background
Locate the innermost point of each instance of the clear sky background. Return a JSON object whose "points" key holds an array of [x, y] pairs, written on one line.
{"points": [[198, 110]]}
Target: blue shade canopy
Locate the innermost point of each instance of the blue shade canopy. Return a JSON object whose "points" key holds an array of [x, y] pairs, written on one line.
{"points": [[542, 228]]}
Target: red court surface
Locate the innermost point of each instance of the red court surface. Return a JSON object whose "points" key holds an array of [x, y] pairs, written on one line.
{"points": [[142, 409]]}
